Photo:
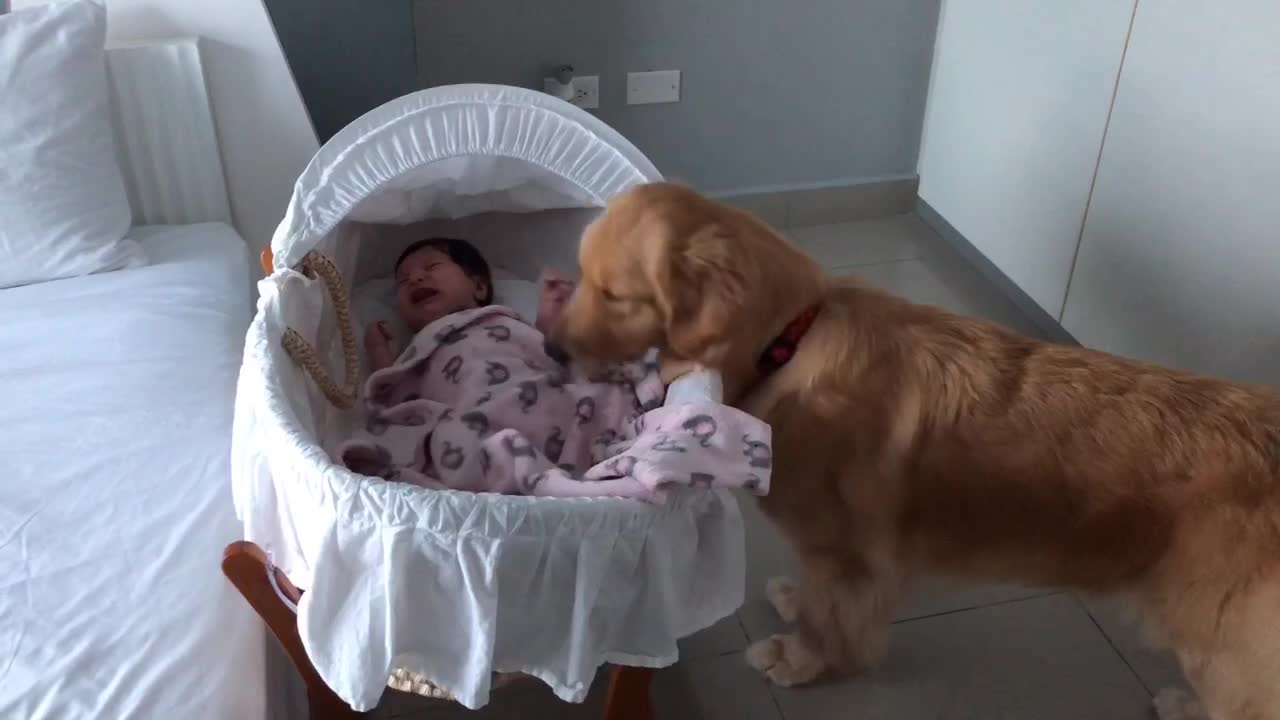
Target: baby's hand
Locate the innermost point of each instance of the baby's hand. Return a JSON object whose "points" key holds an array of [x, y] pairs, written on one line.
{"points": [[377, 345], [555, 295]]}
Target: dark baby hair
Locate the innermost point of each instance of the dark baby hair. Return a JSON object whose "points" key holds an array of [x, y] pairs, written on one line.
{"points": [[463, 254]]}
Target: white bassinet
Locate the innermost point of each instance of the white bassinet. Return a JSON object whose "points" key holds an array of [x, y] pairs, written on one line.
{"points": [[452, 586]]}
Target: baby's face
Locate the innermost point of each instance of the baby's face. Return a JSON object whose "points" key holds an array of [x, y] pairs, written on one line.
{"points": [[429, 286]]}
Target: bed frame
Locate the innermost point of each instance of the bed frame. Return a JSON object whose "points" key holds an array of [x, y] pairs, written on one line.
{"points": [[165, 138]]}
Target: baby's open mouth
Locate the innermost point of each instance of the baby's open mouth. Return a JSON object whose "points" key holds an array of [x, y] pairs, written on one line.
{"points": [[422, 294]]}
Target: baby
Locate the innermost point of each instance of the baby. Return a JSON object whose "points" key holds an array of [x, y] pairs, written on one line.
{"points": [[474, 402], [441, 276]]}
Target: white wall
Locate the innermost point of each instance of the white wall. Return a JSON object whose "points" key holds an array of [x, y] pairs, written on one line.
{"points": [[1180, 262], [263, 130], [1017, 107], [774, 95], [348, 56]]}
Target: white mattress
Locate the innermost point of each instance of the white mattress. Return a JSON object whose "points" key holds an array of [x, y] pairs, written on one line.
{"points": [[116, 396]]}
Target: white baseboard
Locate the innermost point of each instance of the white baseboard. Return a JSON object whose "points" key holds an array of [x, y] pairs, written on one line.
{"points": [[785, 206]]}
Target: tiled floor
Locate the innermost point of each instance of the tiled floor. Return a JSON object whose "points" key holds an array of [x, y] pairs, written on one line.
{"points": [[996, 652]]}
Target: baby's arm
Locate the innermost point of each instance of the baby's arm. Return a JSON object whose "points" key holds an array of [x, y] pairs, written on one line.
{"points": [[377, 346], [555, 295]]}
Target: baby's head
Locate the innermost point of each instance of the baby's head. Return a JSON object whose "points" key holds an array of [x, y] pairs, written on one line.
{"points": [[439, 276]]}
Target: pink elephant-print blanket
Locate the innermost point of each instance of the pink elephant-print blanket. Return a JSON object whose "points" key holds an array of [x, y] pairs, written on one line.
{"points": [[474, 403]]}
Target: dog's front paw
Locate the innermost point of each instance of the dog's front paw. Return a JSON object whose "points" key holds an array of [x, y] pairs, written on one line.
{"points": [[786, 661], [781, 594], [1177, 704]]}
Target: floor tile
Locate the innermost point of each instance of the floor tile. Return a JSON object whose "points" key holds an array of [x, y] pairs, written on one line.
{"points": [[1157, 669], [866, 242], [719, 688], [905, 256], [768, 555], [928, 597], [674, 695], [851, 202], [1041, 658], [724, 637], [944, 280]]}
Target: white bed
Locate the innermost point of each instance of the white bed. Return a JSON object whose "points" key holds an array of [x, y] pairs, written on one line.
{"points": [[115, 501], [116, 395]]}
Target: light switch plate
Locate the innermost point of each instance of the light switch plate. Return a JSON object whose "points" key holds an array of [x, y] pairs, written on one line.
{"points": [[659, 86]]}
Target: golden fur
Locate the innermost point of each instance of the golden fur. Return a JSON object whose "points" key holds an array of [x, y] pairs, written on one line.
{"points": [[908, 440]]}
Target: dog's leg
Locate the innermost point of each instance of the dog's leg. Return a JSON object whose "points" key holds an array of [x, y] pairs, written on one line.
{"points": [[1229, 646], [1177, 704], [1233, 681], [786, 660], [781, 594], [844, 611]]}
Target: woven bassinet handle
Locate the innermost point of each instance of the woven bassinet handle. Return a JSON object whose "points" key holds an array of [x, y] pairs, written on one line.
{"points": [[315, 265]]}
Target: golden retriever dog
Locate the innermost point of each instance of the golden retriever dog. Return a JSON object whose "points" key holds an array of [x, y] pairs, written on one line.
{"points": [[910, 441]]}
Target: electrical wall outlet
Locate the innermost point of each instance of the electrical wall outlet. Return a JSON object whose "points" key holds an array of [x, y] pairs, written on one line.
{"points": [[586, 90], [660, 86]]}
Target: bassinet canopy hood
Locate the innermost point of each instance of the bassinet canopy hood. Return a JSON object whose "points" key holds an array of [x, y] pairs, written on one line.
{"points": [[454, 151]]}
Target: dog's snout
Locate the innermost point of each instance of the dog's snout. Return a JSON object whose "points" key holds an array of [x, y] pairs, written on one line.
{"points": [[555, 351]]}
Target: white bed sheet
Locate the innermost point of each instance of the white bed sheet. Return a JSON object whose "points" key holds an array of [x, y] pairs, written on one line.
{"points": [[116, 395]]}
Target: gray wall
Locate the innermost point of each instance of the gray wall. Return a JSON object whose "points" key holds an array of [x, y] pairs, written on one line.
{"points": [[348, 56], [774, 94]]}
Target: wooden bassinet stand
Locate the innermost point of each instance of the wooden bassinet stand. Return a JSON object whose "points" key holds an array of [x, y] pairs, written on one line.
{"points": [[246, 565]]}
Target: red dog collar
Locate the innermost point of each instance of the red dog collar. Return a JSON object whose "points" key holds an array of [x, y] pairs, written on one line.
{"points": [[782, 348]]}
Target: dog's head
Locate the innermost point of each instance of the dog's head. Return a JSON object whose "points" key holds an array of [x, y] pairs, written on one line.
{"points": [[666, 267]]}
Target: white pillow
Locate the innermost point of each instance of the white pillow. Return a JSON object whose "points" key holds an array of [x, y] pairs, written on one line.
{"points": [[519, 295], [64, 210]]}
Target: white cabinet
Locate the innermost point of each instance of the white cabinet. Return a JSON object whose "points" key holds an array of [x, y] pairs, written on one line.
{"points": [[1180, 257], [1017, 108]]}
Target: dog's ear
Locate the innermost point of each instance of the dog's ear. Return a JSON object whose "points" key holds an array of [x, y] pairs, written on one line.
{"points": [[701, 284]]}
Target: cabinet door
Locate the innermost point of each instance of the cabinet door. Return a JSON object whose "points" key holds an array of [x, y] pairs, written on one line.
{"points": [[1016, 112], [1180, 260]]}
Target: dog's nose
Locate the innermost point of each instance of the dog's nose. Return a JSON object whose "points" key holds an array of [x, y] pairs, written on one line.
{"points": [[554, 351]]}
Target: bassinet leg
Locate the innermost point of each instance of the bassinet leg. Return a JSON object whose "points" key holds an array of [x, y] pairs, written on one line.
{"points": [[245, 565], [629, 696]]}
